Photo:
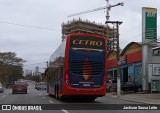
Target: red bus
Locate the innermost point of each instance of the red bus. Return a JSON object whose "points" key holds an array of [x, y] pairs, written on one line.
{"points": [[78, 67]]}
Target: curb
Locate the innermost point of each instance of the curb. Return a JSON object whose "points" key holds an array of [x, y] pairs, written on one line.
{"points": [[139, 98]]}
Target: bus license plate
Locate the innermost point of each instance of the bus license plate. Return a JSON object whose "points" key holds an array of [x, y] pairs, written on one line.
{"points": [[86, 84]]}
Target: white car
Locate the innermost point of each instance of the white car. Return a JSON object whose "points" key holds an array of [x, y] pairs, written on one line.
{"points": [[41, 85], [36, 84]]}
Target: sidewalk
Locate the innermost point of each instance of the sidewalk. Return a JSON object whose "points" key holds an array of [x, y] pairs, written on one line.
{"points": [[138, 97]]}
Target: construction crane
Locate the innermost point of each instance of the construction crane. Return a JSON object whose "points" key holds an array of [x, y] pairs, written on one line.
{"points": [[107, 7]]}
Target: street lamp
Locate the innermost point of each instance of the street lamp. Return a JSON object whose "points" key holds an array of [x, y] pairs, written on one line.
{"points": [[118, 56]]}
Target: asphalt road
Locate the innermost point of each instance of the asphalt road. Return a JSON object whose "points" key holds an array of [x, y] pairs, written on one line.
{"points": [[37, 97]]}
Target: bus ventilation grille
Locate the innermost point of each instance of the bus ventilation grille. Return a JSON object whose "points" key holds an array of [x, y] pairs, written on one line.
{"points": [[77, 67]]}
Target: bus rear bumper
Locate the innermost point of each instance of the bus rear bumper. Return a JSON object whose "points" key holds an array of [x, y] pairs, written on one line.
{"points": [[84, 91]]}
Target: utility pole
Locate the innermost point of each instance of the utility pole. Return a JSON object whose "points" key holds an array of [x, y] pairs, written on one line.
{"points": [[118, 57], [47, 64], [107, 10], [108, 7]]}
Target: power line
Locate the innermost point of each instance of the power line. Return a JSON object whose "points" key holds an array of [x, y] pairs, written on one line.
{"points": [[86, 11], [135, 34], [23, 25], [35, 63], [130, 30], [107, 7], [134, 28]]}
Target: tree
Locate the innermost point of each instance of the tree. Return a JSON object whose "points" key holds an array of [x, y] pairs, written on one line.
{"points": [[36, 78], [9, 58], [10, 67]]}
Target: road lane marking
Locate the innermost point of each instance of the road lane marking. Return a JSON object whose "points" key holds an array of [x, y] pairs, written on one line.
{"points": [[39, 94], [51, 101], [65, 111], [44, 97]]}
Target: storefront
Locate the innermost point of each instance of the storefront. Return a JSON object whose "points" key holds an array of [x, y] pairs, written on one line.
{"points": [[133, 54], [124, 73], [138, 73], [154, 78], [131, 73], [130, 64], [111, 65]]}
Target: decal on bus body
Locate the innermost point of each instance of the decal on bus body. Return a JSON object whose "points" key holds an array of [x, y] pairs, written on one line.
{"points": [[87, 69]]}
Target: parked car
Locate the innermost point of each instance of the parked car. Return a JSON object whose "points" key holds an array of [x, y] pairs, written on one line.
{"points": [[41, 86], [19, 87], [130, 87], [1, 88], [36, 84], [9, 85], [111, 85]]}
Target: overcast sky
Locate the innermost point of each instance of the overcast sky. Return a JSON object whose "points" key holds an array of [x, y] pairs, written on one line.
{"points": [[32, 28]]}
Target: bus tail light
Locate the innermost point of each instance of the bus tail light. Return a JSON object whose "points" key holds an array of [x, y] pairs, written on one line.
{"points": [[67, 78]]}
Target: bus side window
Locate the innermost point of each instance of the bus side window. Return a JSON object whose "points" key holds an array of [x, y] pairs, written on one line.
{"points": [[59, 72], [55, 74], [51, 77]]}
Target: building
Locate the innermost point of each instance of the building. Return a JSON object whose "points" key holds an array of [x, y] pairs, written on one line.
{"points": [[27, 72], [37, 71], [77, 26], [112, 65], [151, 76], [131, 69]]}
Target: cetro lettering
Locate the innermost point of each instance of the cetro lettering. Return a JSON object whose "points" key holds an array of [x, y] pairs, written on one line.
{"points": [[87, 42]]}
